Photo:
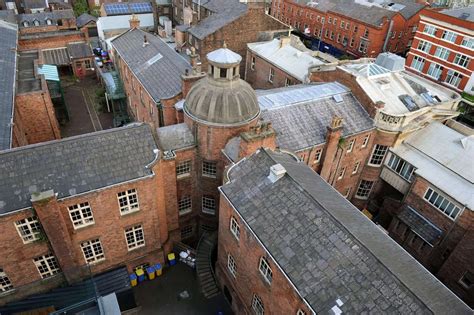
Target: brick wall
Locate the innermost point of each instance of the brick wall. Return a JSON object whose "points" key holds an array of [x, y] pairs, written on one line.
{"points": [[49, 42], [278, 297], [68, 24], [36, 113]]}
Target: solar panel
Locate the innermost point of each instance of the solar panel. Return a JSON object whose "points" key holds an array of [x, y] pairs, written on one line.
{"points": [[116, 8], [143, 7]]}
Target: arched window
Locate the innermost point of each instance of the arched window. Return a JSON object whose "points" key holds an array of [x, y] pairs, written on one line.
{"points": [[48, 22], [26, 24], [36, 22]]}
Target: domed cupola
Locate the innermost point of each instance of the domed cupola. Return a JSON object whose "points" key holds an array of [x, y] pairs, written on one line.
{"points": [[222, 98]]}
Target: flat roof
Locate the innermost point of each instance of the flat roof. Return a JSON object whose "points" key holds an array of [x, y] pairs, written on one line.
{"points": [[445, 158], [336, 258], [401, 91], [286, 57]]}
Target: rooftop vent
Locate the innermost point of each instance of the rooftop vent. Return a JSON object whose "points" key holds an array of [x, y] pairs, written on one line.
{"points": [[338, 98], [277, 171]]}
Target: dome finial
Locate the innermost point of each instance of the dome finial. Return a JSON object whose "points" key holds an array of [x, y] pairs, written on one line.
{"points": [[224, 45]]}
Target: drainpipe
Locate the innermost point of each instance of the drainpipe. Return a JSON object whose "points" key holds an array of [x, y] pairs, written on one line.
{"points": [[388, 36]]}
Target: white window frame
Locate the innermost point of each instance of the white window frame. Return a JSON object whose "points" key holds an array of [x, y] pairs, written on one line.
{"points": [[461, 60], [287, 81], [449, 36], [231, 265], [271, 75], [47, 265], [401, 167], [206, 203], [364, 189], [300, 312], [29, 229], [365, 142], [81, 215], [186, 231], [128, 201], [317, 156], [429, 29], [435, 70], [185, 205], [418, 63], [252, 63], [5, 283], [463, 283], [355, 169], [134, 237], [94, 250], [347, 193], [234, 228], [209, 169], [442, 53], [453, 78], [443, 203], [424, 46], [257, 305], [183, 169], [468, 42], [378, 155], [265, 270], [342, 171], [351, 146]]}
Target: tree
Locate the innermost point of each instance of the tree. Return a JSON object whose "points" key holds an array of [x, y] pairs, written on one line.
{"points": [[80, 7]]}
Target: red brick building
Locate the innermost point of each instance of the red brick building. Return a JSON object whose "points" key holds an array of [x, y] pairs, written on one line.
{"points": [[290, 244], [356, 28], [60, 222], [432, 203], [151, 73], [206, 25], [442, 50]]}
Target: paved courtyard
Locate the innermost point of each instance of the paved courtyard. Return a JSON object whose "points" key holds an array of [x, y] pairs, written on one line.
{"points": [[161, 295], [82, 108]]}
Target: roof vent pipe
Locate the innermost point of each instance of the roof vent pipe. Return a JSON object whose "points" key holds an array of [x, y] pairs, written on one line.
{"points": [[145, 41], [277, 171]]}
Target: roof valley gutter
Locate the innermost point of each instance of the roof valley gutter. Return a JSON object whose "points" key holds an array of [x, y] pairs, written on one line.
{"points": [[86, 192]]}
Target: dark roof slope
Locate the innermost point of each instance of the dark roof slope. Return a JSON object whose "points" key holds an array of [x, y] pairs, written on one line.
{"points": [[75, 165], [41, 17], [328, 249], [84, 19], [175, 137], [8, 43], [79, 50], [157, 66], [423, 227], [35, 4], [224, 12], [301, 113], [8, 16]]}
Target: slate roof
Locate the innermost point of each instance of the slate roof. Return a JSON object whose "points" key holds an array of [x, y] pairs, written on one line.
{"points": [[56, 56], [224, 12], [175, 137], [75, 165], [326, 247], [84, 19], [8, 45], [8, 16], [160, 76], [300, 114], [79, 50], [371, 13], [464, 13], [420, 225], [34, 4], [41, 17]]}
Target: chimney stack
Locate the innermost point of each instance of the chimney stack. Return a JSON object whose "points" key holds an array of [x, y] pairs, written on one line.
{"points": [[277, 171], [134, 22], [334, 133]]}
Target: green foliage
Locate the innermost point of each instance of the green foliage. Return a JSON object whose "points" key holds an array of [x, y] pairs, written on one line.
{"points": [[80, 7]]}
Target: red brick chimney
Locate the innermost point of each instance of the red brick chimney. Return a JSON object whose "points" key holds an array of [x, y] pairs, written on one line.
{"points": [[193, 75], [134, 22], [260, 135], [54, 225], [332, 141]]}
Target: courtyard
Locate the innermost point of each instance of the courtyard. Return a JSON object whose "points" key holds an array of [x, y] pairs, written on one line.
{"points": [[177, 292]]}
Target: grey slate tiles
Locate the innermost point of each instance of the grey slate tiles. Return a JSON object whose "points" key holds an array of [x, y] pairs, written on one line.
{"points": [[8, 45], [326, 247], [75, 165], [160, 76]]}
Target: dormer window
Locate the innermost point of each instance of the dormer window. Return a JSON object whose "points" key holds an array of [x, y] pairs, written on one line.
{"points": [[48, 22], [26, 24], [36, 22]]}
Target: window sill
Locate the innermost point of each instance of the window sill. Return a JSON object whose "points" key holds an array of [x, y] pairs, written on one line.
{"points": [[209, 212], [361, 198], [135, 248], [374, 165], [83, 226], [124, 214], [183, 213], [183, 176], [12, 291], [209, 176]]}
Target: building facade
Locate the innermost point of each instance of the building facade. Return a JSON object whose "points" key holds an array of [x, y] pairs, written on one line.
{"points": [[443, 48], [356, 28], [284, 232]]}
